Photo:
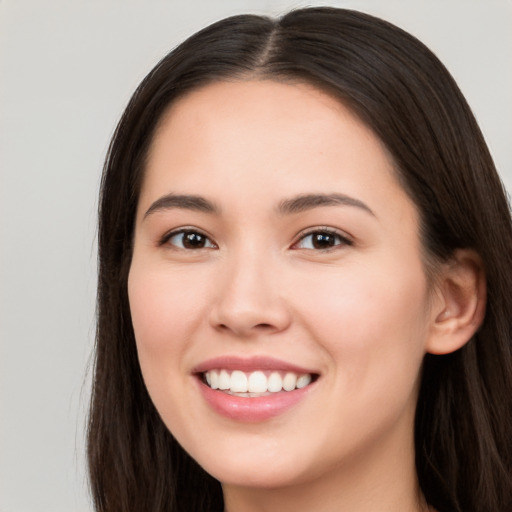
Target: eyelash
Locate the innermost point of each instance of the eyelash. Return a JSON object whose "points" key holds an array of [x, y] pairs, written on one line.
{"points": [[187, 231], [342, 240]]}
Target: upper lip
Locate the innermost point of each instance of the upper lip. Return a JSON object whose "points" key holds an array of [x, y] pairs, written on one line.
{"points": [[249, 364]]}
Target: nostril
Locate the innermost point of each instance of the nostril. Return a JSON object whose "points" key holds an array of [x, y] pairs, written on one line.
{"points": [[243, 321], [260, 327]]}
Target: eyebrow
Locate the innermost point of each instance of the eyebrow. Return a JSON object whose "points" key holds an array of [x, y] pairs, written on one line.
{"points": [[309, 201], [296, 204], [187, 202]]}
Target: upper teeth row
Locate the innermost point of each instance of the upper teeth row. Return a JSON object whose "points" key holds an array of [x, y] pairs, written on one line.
{"points": [[255, 382]]}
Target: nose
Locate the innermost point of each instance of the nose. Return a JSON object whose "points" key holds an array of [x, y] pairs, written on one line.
{"points": [[250, 299]]}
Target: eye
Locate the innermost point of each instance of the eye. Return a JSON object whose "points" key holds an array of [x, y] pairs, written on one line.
{"points": [[321, 239], [188, 239]]}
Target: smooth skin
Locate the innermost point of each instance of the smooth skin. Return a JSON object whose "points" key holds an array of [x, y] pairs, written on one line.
{"points": [[242, 273]]}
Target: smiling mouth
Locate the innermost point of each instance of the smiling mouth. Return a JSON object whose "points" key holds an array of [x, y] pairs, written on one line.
{"points": [[256, 383]]}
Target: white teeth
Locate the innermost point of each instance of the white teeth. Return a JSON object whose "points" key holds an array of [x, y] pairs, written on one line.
{"points": [[257, 382], [275, 382], [224, 380], [214, 380], [289, 381], [238, 382], [303, 381]]}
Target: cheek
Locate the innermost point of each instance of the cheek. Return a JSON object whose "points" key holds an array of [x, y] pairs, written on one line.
{"points": [[372, 326], [162, 305], [165, 310], [372, 322]]}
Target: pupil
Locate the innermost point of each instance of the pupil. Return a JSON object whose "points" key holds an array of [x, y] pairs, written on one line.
{"points": [[323, 240], [193, 241]]}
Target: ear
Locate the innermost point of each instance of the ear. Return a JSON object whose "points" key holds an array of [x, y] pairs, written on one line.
{"points": [[459, 305]]}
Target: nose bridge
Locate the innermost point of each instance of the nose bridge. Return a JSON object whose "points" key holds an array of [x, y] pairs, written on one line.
{"points": [[249, 297]]}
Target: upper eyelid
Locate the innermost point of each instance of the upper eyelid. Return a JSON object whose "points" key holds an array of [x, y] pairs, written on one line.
{"points": [[323, 229], [303, 233], [184, 229]]}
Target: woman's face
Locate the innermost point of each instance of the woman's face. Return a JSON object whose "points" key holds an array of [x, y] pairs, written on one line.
{"points": [[275, 248]]}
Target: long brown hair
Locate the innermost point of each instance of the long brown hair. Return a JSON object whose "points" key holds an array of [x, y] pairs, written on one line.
{"points": [[463, 430]]}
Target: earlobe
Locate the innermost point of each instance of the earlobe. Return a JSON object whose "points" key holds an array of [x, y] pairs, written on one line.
{"points": [[459, 307]]}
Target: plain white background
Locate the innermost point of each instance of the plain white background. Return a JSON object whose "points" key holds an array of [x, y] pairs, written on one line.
{"points": [[67, 70]]}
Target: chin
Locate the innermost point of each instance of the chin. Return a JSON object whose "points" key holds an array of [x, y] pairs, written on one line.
{"points": [[243, 475], [262, 465]]}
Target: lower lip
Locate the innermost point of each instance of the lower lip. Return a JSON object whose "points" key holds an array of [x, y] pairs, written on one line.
{"points": [[255, 409]]}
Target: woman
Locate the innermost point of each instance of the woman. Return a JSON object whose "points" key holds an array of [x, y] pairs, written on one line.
{"points": [[305, 289]]}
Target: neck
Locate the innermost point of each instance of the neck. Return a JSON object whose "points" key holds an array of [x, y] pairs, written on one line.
{"points": [[320, 497]]}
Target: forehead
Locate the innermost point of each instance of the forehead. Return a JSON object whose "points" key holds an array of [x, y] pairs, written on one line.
{"points": [[280, 104], [232, 119], [227, 95], [264, 139]]}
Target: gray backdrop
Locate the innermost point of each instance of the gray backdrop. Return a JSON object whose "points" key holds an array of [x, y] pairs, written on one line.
{"points": [[66, 71]]}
